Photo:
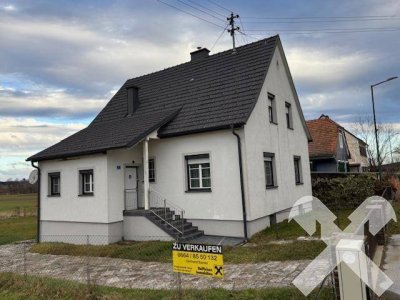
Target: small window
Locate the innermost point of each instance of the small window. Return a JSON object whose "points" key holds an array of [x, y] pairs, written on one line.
{"points": [[272, 109], [297, 170], [87, 182], [363, 151], [340, 140], [269, 168], [54, 184], [289, 121], [152, 170], [198, 172]]}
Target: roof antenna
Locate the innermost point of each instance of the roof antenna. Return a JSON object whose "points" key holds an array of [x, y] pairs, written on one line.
{"points": [[232, 30]]}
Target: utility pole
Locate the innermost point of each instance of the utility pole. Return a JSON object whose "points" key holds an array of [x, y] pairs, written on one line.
{"points": [[232, 30]]}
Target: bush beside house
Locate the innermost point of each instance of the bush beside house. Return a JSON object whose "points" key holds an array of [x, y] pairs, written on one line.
{"points": [[343, 192]]}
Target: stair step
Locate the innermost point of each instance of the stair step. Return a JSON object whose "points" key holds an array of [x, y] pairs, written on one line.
{"points": [[192, 235]]}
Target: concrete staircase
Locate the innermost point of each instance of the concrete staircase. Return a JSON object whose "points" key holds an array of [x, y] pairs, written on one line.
{"points": [[170, 222]]}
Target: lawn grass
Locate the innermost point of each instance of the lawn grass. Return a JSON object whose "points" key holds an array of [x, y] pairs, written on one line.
{"points": [[11, 202], [31, 288], [17, 229], [394, 227]]}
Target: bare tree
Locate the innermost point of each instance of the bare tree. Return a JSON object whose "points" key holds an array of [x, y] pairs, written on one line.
{"points": [[364, 129]]}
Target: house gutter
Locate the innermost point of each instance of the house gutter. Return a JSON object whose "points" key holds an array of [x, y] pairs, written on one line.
{"points": [[38, 202], [241, 184]]}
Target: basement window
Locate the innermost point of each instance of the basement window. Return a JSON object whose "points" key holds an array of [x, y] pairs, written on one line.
{"points": [[54, 184], [87, 182], [198, 173]]}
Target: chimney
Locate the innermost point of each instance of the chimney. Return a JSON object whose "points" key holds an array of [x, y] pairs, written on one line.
{"points": [[199, 54], [132, 99]]}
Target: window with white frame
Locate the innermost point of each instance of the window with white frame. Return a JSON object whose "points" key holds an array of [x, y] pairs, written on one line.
{"points": [[198, 172], [87, 182], [54, 184], [152, 170], [297, 170], [269, 169], [272, 109]]}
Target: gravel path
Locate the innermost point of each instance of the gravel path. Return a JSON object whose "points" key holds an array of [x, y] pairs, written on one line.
{"points": [[125, 273]]}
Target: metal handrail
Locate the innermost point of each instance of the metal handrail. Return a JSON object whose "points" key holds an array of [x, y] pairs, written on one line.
{"points": [[161, 207]]}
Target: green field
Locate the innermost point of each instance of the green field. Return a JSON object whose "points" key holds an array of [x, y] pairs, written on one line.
{"points": [[9, 203], [20, 287], [13, 225]]}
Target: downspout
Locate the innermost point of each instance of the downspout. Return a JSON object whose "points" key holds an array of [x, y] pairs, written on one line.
{"points": [[38, 203], [241, 184]]}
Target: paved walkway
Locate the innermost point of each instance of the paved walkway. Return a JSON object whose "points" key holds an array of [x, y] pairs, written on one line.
{"points": [[136, 274], [391, 263]]}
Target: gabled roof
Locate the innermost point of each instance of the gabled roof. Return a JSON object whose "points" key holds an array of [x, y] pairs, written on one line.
{"points": [[324, 132], [217, 91], [96, 138], [212, 93]]}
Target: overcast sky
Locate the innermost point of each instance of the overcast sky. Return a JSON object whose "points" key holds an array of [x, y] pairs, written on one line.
{"points": [[61, 61]]}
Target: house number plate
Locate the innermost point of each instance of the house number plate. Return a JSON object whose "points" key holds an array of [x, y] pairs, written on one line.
{"points": [[196, 259]]}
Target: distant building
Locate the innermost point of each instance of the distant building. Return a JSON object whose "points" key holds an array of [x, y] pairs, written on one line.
{"points": [[334, 149], [358, 162]]}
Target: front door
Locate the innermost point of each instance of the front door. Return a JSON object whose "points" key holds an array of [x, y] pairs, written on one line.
{"points": [[131, 188]]}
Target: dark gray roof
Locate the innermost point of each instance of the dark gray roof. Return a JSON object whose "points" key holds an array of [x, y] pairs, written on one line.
{"points": [[213, 93], [103, 136]]}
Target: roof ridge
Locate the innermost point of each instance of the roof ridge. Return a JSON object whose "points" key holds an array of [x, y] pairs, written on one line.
{"points": [[213, 55]]}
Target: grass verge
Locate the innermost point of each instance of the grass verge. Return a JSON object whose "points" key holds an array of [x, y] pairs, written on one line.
{"points": [[17, 229], [259, 249], [18, 287]]}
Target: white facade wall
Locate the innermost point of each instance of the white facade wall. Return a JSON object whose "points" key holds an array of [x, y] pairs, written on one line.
{"points": [[262, 136], [69, 206], [222, 203]]}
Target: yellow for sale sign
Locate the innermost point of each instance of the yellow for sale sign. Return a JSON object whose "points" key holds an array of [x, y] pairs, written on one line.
{"points": [[196, 259]]}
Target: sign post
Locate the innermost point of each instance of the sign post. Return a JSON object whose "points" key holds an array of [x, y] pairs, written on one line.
{"points": [[197, 259]]}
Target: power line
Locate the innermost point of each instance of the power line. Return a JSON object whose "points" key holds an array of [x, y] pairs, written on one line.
{"points": [[320, 17], [203, 11], [220, 6], [243, 35], [326, 29], [189, 13], [222, 33], [202, 6], [321, 21], [311, 32]]}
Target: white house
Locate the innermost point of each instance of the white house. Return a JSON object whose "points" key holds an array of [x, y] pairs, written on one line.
{"points": [[215, 146]]}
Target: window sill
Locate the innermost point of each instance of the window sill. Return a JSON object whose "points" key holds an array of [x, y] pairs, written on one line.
{"points": [[86, 195], [54, 196], [271, 187], [198, 191], [272, 122], [291, 128], [299, 183]]}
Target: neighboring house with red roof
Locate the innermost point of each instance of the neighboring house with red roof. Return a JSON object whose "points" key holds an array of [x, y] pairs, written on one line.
{"points": [[335, 149], [329, 151]]}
